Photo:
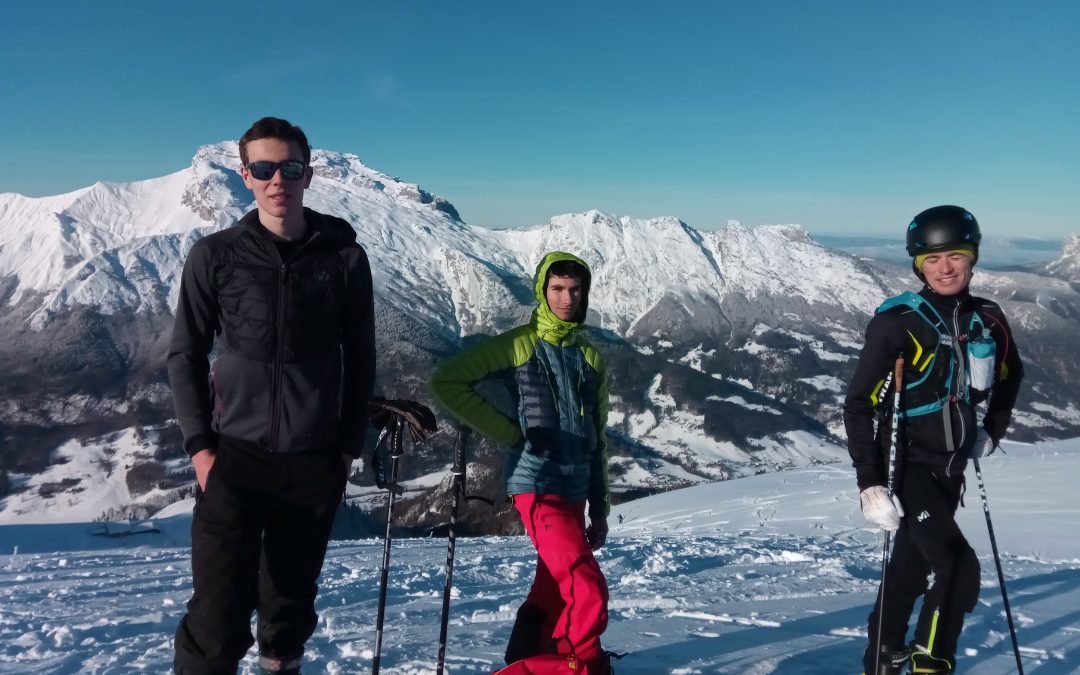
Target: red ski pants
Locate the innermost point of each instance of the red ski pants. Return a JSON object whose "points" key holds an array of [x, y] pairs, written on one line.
{"points": [[569, 586]]}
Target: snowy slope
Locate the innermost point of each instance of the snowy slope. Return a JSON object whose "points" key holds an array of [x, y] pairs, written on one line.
{"points": [[767, 574], [89, 478]]}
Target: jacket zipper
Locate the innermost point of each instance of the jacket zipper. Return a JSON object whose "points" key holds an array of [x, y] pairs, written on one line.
{"points": [[276, 398], [279, 355]]}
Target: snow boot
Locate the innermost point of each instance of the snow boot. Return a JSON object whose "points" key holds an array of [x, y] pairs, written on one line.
{"points": [[271, 665], [891, 661], [922, 661], [527, 637]]}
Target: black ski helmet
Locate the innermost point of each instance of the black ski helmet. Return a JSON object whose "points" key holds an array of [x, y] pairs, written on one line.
{"points": [[940, 229]]}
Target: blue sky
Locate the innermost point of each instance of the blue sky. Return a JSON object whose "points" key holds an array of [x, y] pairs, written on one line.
{"points": [[846, 116]]}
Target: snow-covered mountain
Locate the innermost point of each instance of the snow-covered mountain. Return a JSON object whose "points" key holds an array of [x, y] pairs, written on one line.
{"points": [[997, 252], [118, 247], [728, 350], [1067, 267]]}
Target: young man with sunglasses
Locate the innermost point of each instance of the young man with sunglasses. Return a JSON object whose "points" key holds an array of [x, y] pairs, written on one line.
{"points": [[273, 427]]}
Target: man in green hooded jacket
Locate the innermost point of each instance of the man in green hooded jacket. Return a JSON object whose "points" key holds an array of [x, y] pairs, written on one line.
{"points": [[556, 459]]}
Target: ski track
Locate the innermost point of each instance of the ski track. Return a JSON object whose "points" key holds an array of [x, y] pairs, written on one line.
{"points": [[680, 604]]}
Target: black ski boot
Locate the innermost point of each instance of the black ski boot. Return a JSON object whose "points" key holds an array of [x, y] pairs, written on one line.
{"points": [[922, 661], [890, 662], [527, 636], [608, 656]]}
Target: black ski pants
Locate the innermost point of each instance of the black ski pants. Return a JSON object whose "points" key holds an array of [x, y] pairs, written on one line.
{"points": [[928, 541], [258, 538]]}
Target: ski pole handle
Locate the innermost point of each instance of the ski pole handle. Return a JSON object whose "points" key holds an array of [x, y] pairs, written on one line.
{"points": [[463, 433], [894, 433], [397, 448]]}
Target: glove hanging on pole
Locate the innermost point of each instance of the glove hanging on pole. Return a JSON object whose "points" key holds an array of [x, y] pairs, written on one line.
{"points": [[383, 414], [418, 417]]}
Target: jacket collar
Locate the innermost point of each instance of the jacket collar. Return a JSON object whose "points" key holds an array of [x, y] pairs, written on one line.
{"points": [[964, 300], [317, 223], [552, 329]]}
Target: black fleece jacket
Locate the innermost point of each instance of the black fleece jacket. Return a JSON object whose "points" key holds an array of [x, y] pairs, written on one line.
{"points": [[295, 340], [901, 331]]}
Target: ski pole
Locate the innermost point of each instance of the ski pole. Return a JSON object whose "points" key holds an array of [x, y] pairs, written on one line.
{"points": [[898, 380], [458, 489], [396, 434], [997, 563]]}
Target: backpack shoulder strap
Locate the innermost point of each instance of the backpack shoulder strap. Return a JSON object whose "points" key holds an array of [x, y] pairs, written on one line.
{"points": [[905, 299], [920, 306]]}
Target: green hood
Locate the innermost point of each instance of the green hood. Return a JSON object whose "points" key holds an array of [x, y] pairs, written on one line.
{"points": [[550, 327]]}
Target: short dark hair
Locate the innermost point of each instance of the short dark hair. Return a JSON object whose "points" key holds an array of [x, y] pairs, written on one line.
{"points": [[568, 268], [274, 127]]}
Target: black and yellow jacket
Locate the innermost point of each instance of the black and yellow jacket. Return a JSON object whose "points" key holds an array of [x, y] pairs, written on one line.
{"points": [[557, 444], [900, 330]]}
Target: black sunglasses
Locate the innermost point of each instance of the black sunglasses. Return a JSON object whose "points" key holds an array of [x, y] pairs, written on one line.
{"points": [[291, 169]]}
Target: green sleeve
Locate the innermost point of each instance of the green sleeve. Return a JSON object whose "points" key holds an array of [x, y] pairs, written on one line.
{"points": [[452, 384], [599, 482]]}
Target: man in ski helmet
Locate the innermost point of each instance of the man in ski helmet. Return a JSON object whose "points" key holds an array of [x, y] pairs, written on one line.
{"points": [[555, 463], [273, 427], [958, 352]]}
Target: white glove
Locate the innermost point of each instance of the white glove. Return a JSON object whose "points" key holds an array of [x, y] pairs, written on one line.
{"points": [[880, 508], [984, 445]]}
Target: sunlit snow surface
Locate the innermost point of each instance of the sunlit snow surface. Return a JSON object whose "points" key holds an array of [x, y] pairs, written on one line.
{"points": [[767, 574]]}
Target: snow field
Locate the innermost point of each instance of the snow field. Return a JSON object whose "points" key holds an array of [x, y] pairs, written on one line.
{"points": [[767, 574]]}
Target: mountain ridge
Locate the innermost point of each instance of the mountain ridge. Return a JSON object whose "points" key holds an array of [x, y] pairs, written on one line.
{"points": [[728, 349]]}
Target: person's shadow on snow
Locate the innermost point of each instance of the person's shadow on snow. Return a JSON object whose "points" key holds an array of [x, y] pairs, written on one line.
{"points": [[790, 646]]}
